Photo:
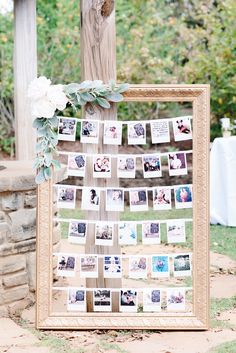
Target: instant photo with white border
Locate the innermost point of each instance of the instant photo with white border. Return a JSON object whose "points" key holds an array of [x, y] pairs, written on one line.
{"points": [[164, 270], [74, 301], [102, 166], [89, 273], [127, 233], [99, 303], [124, 164], [177, 163], [104, 233], [150, 169], [112, 266], [176, 231], [67, 135], [138, 266], [185, 195], [135, 199], [184, 268], [75, 234], [112, 132], [149, 235], [150, 305], [160, 131], [174, 295], [128, 308], [137, 133], [162, 198], [90, 199], [89, 132], [78, 160], [62, 262], [182, 128], [66, 196], [115, 199]]}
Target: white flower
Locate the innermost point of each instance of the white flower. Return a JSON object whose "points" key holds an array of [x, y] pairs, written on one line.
{"points": [[38, 87], [46, 98], [42, 108], [56, 95]]}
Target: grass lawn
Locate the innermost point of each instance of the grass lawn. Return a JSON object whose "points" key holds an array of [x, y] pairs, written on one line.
{"points": [[229, 347]]}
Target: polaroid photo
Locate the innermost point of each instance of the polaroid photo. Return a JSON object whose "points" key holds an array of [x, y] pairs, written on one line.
{"points": [[127, 233], [76, 299], [183, 196], [104, 233], [151, 166], [160, 131], [101, 166], [102, 300], [151, 300], [176, 231], [76, 165], [136, 133], [182, 265], [66, 196], [137, 266], [160, 266], [128, 300], [112, 133], [112, 266], [177, 163], [90, 199], [182, 128], [77, 232], [175, 299], [67, 129], [162, 198], [126, 167], [151, 233], [66, 265], [115, 199], [89, 266], [89, 131], [138, 199]]}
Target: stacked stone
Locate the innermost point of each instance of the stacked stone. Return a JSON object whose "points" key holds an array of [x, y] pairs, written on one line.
{"points": [[18, 237]]}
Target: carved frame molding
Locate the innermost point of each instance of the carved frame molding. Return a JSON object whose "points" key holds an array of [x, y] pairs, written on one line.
{"points": [[199, 95]]}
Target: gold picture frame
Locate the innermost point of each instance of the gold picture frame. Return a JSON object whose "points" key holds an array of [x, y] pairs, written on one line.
{"points": [[199, 96]]}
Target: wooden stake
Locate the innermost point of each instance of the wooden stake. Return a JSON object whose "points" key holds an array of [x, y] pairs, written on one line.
{"points": [[98, 56]]}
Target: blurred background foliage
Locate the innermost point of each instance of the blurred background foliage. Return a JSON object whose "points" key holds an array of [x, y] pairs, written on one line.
{"points": [[164, 41]]}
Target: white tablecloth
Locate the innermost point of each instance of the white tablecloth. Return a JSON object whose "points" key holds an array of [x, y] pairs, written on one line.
{"points": [[223, 181]]}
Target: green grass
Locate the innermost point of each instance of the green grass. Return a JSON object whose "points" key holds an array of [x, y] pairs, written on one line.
{"points": [[223, 240], [229, 347], [217, 307], [112, 346]]}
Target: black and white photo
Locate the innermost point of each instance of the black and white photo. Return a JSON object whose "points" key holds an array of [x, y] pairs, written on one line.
{"points": [[77, 232], [176, 231], [89, 266], [182, 128], [90, 199], [126, 166], [112, 132], [112, 266], [138, 199], [182, 265], [115, 199], [137, 133], [66, 265], [67, 129], [104, 233], [102, 166], [151, 166], [151, 233], [76, 299], [66, 196], [151, 300], [89, 131], [76, 165], [177, 163], [102, 300], [162, 198], [128, 300]]}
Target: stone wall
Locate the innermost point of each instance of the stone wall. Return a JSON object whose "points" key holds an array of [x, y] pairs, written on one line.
{"points": [[17, 237]]}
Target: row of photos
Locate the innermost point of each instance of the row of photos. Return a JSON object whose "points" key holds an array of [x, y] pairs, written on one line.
{"points": [[126, 165], [127, 232], [159, 266], [112, 132], [153, 299], [138, 198]]}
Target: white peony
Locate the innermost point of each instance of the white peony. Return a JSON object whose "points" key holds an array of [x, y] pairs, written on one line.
{"points": [[56, 95], [46, 98], [38, 87]]}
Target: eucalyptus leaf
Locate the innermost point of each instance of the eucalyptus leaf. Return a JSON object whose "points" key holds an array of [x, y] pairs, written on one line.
{"points": [[54, 121], [40, 178], [86, 84], [47, 173], [122, 88], [115, 97], [56, 164], [112, 84], [38, 123], [103, 102], [48, 159], [72, 88], [87, 96]]}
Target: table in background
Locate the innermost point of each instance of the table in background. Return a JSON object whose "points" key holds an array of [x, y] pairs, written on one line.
{"points": [[223, 181]]}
